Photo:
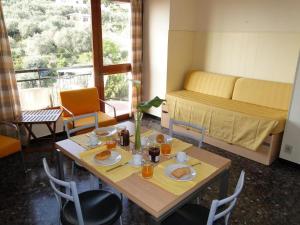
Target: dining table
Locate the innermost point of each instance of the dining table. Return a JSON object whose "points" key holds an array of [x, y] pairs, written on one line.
{"points": [[159, 196]]}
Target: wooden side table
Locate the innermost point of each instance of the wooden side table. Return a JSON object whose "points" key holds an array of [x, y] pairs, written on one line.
{"points": [[48, 117]]}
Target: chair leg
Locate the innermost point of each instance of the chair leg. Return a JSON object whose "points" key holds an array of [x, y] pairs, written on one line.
{"points": [[23, 161], [120, 220], [72, 170], [91, 180]]}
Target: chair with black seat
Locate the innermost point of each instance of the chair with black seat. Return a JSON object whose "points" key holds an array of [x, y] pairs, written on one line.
{"points": [[187, 125], [10, 145], [96, 207], [193, 214]]}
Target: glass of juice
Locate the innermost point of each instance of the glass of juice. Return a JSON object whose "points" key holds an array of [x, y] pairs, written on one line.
{"points": [[147, 170], [111, 144], [165, 149]]}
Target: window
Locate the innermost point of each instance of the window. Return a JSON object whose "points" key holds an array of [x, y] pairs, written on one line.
{"points": [[52, 44], [111, 22]]}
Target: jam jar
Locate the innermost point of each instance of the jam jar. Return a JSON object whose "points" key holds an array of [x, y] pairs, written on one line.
{"points": [[154, 152]]}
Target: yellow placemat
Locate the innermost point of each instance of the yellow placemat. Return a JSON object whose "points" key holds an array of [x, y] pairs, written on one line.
{"points": [[83, 140], [179, 187], [115, 175], [178, 145], [144, 134]]}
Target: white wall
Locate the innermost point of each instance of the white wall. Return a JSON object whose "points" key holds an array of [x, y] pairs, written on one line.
{"points": [[248, 15], [155, 49], [259, 55], [250, 38], [292, 128]]}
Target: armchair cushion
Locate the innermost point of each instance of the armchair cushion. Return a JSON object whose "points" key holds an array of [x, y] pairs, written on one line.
{"points": [[81, 101], [104, 120], [8, 146]]}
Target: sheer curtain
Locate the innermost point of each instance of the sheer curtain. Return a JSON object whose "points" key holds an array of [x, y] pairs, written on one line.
{"points": [[9, 97], [137, 46]]}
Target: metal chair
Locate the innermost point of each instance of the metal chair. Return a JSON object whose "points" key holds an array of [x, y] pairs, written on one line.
{"points": [[96, 207], [11, 145], [82, 102], [192, 214], [71, 130], [186, 124]]}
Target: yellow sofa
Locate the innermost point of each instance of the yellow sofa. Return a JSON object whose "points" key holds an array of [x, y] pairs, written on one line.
{"points": [[242, 115]]}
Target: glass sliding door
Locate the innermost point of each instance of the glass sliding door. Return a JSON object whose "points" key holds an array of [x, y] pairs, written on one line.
{"points": [[111, 22]]}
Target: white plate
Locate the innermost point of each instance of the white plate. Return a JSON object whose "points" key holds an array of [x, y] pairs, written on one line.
{"points": [[169, 169], [113, 159], [110, 131]]}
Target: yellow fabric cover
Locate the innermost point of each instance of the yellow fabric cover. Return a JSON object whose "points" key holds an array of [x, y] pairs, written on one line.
{"points": [[235, 122], [81, 101], [8, 146], [265, 93], [104, 120], [210, 83]]}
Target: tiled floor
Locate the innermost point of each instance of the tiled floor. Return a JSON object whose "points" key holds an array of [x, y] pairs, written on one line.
{"points": [[271, 194]]}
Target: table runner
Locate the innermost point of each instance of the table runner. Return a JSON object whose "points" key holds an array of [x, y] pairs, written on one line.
{"points": [[159, 178], [115, 175]]}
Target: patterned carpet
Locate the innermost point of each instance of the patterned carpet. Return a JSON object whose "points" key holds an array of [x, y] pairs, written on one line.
{"points": [[270, 197]]}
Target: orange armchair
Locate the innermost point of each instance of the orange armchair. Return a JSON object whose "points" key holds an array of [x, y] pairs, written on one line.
{"points": [[10, 145], [84, 101]]}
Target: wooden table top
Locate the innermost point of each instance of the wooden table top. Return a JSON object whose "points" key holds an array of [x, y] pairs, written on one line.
{"points": [[39, 116], [147, 195]]}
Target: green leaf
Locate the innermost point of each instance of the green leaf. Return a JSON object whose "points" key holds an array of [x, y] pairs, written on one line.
{"points": [[145, 106]]}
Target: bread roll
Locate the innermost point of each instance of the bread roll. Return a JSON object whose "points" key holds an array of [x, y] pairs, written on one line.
{"points": [[103, 155], [180, 172]]}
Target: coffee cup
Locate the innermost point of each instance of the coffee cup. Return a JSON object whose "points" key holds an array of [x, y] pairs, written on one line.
{"points": [[181, 157], [137, 159]]}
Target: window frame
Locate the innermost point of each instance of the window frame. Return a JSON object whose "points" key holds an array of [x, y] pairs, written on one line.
{"points": [[97, 48]]}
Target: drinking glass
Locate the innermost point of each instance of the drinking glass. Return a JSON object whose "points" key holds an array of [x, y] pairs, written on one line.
{"points": [[111, 144], [147, 170], [166, 148]]}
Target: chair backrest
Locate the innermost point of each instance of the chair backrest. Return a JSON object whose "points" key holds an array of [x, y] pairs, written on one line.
{"points": [[230, 201], [74, 129], [70, 192], [81, 101], [186, 134]]}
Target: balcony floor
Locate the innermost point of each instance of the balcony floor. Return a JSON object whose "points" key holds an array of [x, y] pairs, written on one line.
{"points": [[271, 194]]}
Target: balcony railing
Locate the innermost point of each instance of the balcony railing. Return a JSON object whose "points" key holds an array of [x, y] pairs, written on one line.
{"points": [[39, 88]]}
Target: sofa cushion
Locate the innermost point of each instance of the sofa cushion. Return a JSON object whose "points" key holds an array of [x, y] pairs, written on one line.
{"points": [[210, 83], [264, 93], [232, 121]]}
